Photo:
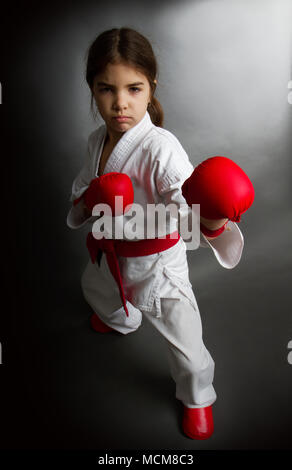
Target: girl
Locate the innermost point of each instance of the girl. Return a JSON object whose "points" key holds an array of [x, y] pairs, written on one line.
{"points": [[122, 76]]}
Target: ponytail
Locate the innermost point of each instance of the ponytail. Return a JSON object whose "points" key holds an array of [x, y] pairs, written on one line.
{"points": [[156, 112]]}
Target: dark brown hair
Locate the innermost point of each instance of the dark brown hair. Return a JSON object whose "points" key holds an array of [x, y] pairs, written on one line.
{"points": [[128, 46]]}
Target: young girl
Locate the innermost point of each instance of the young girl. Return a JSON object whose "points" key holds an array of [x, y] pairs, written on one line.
{"points": [[122, 76]]}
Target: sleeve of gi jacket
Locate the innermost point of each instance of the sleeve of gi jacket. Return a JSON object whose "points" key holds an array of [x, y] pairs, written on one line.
{"points": [[172, 169], [77, 217], [228, 246]]}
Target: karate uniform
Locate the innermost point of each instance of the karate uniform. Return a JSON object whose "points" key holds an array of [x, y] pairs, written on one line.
{"points": [[156, 286]]}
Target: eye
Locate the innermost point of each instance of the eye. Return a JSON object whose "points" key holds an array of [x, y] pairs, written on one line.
{"points": [[104, 90], [135, 89]]}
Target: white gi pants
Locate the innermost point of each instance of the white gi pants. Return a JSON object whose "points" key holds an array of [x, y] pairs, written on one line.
{"points": [[157, 286]]}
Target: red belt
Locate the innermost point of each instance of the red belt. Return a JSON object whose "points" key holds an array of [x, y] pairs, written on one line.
{"points": [[112, 248]]}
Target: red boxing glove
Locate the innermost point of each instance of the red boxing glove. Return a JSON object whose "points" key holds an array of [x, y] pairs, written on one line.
{"points": [[104, 188], [212, 233], [221, 188]]}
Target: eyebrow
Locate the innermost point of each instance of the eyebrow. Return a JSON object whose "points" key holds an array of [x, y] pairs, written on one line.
{"points": [[112, 86]]}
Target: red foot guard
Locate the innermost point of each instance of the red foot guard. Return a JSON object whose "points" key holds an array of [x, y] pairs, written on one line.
{"points": [[98, 325], [198, 422]]}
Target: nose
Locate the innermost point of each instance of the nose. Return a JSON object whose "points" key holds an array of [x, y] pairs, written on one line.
{"points": [[119, 102]]}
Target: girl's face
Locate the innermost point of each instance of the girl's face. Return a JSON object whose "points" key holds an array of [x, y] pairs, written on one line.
{"points": [[122, 94]]}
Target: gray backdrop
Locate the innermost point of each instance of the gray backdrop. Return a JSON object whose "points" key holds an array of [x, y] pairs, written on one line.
{"points": [[224, 68]]}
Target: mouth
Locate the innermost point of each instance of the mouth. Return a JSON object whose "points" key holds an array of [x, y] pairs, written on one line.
{"points": [[121, 118]]}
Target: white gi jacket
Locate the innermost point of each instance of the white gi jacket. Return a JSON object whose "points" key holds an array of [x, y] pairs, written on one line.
{"points": [[158, 166]]}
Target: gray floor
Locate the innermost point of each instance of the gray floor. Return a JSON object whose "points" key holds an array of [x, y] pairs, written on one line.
{"points": [[76, 389]]}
